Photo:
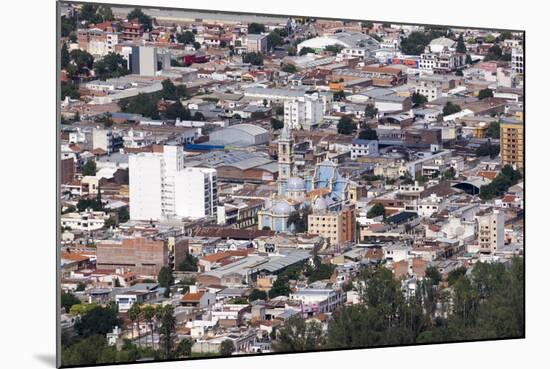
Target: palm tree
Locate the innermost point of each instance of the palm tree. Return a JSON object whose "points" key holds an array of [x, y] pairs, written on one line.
{"points": [[149, 314], [133, 314]]}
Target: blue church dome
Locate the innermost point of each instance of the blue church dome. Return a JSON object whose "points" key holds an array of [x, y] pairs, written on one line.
{"points": [[282, 208], [296, 184]]}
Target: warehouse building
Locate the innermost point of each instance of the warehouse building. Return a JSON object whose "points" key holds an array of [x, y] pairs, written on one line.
{"points": [[240, 135]]}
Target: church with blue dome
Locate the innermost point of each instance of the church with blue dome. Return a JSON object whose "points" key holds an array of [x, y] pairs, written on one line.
{"points": [[324, 186]]}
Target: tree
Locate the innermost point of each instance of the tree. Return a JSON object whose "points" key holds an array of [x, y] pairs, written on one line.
{"points": [[507, 177], [367, 25], [433, 274], [449, 173], [274, 39], [319, 271], [227, 348], [494, 53], [415, 43], [460, 46], [165, 277], [104, 13], [189, 264], [68, 25], [167, 330], [68, 89], [95, 13], [65, 56], [276, 124], [279, 288], [90, 168], [196, 45], [485, 93], [253, 58], [371, 111], [83, 60], [68, 300], [418, 99], [149, 314], [487, 149], [177, 110], [87, 12], [142, 18], [368, 134], [493, 131], [298, 335], [377, 210], [172, 92], [339, 95], [451, 108], [123, 214], [98, 320], [289, 68], [295, 219], [345, 125], [186, 37], [144, 104], [306, 50], [257, 295], [133, 314], [112, 65], [334, 49], [184, 347], [256, 28]]}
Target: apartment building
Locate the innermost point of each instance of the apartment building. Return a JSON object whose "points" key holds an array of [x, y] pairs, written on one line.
{"points": [[512, 143], [336, 227], [196, 192], [491, 231], [143, 255], [152, 192], [304, 112]]}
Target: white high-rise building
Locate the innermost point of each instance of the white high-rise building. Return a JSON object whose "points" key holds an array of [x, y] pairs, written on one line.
{"points": [[304, 112], [160, 186], [152, 183], [196, 193], [517, 60], [145, 186], [491, 231]]}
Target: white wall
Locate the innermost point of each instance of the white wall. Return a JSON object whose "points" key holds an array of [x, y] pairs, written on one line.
{"points": [[145, 186]]}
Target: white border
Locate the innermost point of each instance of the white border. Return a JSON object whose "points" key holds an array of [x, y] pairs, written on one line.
{"points": [[28, 182]]}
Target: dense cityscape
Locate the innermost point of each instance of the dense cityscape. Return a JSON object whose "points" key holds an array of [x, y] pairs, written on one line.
{"points": [[236, 184]]}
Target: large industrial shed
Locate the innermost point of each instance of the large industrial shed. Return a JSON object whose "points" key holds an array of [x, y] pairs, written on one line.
{"points": [[240, 135]]}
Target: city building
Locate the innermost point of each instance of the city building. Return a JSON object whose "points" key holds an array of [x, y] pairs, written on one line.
{"points": [[517, 60], [491, 231], [196, 193], [512, 140], [304, 112], [152, 187], [143, 255], [256, 43], [337, 227], [360, 148]]}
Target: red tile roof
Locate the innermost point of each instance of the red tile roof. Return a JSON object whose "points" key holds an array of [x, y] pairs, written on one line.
{"points": [[192, 296]]}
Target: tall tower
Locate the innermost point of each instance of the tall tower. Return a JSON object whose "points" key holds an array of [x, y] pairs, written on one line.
{"points": [[285, 157]]}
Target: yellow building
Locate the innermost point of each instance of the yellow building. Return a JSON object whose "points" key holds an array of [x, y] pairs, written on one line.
{"points": [[336, 227], [512, 143]]}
